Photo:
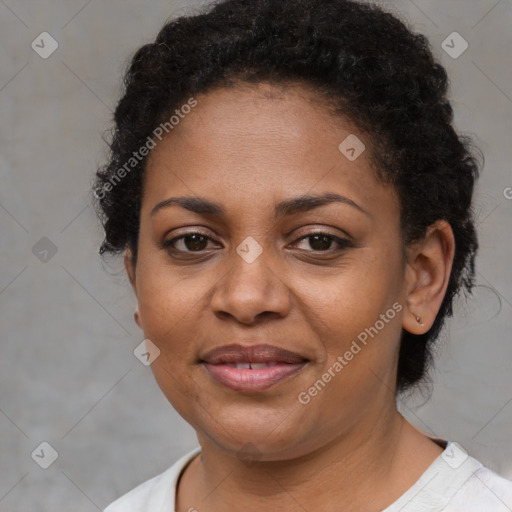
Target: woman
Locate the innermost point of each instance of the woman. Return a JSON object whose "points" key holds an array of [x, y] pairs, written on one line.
{"points": [[294, 208]]}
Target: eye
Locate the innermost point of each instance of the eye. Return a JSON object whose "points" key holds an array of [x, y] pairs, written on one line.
{"points": [[193, 241], [320, 241]]}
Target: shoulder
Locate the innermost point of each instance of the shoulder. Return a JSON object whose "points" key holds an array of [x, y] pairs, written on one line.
{"points": [[156, 494], [138, 498], [483, 490]]}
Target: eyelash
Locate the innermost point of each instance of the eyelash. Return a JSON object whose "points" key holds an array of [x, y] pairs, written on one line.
{"points": [[343, 243]]}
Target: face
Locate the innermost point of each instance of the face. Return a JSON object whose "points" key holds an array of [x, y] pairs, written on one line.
{"points": [[323, 280]]}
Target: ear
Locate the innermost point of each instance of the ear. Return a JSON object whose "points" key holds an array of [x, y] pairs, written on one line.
{"points": [[129, 265], [428, 268]]}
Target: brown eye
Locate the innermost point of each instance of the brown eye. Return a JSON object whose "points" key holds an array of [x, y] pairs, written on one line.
{"points": [[189, 242], [322, 242]]}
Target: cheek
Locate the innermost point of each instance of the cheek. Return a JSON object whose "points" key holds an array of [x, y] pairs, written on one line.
{"points": [[356, 316], [345, 303], [165, 304], [169, 308]]}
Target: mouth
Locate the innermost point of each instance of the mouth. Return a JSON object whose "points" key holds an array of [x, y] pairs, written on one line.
{"points": [[252, 369]]}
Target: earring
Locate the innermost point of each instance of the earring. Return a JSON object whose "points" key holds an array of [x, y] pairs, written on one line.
{"points": [[418, 319]]}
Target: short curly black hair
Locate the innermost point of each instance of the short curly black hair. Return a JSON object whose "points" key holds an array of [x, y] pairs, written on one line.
{"points": [[367, 65]]}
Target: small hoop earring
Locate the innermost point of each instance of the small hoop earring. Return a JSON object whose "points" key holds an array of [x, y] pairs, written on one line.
{"points": [[418, 319]]}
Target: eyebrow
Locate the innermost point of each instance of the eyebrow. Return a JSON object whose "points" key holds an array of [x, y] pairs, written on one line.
{"points": [[284, 208]]}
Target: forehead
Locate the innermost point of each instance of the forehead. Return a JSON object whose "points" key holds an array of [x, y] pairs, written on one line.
{"points": [[259, 141]]}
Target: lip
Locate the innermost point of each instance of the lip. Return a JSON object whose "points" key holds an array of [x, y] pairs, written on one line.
{"points": [[274, 365], [251, 354]]}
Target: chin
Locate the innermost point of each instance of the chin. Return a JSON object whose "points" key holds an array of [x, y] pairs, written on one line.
{"points": [[264, 438]]}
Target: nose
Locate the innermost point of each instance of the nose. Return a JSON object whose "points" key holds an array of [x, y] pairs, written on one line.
{"points": [[251, 291]]}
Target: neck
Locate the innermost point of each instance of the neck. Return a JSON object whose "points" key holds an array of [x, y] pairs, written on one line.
{"points": [[365, 469]]}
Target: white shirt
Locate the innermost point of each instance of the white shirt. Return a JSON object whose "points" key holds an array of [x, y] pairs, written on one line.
{"points": [[454, 482]]}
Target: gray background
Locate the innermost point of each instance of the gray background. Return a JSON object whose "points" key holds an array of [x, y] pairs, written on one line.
{"points": [[68, 375]]}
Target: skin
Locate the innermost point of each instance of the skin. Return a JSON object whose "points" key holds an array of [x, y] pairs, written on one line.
{"points": [[248, 148]]}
